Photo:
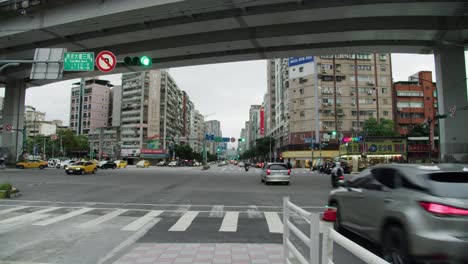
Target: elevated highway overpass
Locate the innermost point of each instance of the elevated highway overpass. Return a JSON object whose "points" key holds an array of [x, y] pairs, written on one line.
{"points": [[190, 32]]}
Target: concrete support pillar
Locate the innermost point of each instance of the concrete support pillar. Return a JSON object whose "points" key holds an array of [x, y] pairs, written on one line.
{"points": [[13, 114], [452, 91]]}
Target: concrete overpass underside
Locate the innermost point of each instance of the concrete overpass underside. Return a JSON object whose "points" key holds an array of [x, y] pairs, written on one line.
{"points": [[191, 32]]}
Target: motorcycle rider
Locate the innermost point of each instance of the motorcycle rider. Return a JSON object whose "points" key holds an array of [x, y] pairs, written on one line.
{"points": [[246, 166], [337, 174], [2, 161]]}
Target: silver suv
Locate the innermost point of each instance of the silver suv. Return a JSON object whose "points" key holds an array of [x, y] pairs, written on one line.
{"points": [[414, 212]]}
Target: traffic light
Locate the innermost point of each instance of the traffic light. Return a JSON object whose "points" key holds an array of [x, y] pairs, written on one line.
{"points": [[240, 149], [334, 133], [144, 61], [218, 149], [243, 139]]}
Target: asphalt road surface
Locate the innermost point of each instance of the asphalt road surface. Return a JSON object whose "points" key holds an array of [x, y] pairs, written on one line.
{"points": [[58, 217]]}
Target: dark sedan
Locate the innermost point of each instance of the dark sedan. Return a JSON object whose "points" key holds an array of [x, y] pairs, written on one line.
{"points": [[107, 164]]}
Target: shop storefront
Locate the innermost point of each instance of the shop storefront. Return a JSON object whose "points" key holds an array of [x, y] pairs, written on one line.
{"points": [[362, 153], [301, 159]]}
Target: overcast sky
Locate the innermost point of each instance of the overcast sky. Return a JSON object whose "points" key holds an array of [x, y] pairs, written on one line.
{"points": [[226, 89]]}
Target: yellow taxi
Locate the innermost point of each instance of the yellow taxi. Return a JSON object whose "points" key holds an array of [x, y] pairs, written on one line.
{"points": [[121, 164], [143, 164], [81, 167], [30, 164]]}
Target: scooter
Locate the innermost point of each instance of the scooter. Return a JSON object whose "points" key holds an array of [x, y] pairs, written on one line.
{"points": [[2, 163], [246, 168]]}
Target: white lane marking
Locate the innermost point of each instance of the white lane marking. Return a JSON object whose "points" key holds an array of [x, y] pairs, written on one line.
{"points": [[103, 218], [229, 222], [140, 222], [5, 228], [274, 222], [217, 211], [63, 217], [182, 208], [12, 209], [253, 212], [27, 216], [184, 222]]}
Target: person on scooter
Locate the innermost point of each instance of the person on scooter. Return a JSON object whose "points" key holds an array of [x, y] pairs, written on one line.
{"points": [[337, 174], [246, 166]]}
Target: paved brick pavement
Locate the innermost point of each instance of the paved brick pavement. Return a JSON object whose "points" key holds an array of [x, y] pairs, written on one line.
{"points": [[203, 254]]}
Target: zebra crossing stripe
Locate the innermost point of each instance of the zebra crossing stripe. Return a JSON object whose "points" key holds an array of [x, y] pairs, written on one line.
{"points": [[140, 222], [63, 217], [28, 216], [12, 209], [253, 212], [103, 218], [229, 222], [217, 211], [274, 222], [184, 222]]}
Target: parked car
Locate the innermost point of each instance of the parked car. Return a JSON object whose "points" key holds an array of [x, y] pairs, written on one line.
{"points": [[172, 164], [107, 164], [161, 164], [32, 164], [81, 167], [121, 164], [241, 164], [413, 212], [143, 164], [275, 172]]}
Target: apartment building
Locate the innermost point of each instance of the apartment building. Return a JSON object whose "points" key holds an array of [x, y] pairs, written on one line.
{"points": [[155, 114], [198, 132], [415, 101], [213, 127], [115, 106], [89, 108], [351, 89]]}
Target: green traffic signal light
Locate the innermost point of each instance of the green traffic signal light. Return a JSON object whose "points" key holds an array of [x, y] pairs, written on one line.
{"points": [[243, 139], [138, 61], [146, 61], [334, 133]]}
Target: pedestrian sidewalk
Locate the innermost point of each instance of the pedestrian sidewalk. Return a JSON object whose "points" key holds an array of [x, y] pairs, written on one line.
{"points": [[203, 254]]}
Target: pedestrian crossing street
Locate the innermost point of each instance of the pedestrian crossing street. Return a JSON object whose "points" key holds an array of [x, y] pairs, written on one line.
{"points": [[17, 216]]}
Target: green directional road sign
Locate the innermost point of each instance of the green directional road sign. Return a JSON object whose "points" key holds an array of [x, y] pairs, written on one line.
{"points": [[78, 61]]}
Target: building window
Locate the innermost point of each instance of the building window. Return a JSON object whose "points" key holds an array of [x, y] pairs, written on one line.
{"points": [[85, 107], [410, 104], [434, 93], [383, 57], [428, 98], [384, 90], [383, 79], [301, 102], [385, 113], [435, 104], [301, 69], [301, 91], [86, 99], [410, 93], [383, 68], [302, 114], [354, 113], [385, 101]]}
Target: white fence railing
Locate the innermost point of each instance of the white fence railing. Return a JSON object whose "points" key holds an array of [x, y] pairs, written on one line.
{"points": [[329, 236]]}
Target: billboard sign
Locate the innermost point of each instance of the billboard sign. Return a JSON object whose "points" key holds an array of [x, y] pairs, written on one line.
{"points": [[294, 61], [262, 120]]}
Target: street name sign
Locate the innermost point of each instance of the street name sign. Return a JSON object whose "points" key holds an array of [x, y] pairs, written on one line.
{"points": [[78, 61]]}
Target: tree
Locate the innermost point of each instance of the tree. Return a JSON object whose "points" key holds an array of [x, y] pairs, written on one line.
{"points": [[184, 152], [384, 128], [419, 130], [262, 146]]}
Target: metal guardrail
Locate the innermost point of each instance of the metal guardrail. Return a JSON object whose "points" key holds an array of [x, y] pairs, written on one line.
{"points": [[329, 237]]}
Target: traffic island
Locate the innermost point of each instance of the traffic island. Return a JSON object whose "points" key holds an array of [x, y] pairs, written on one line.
{"points": [[8, 191]]}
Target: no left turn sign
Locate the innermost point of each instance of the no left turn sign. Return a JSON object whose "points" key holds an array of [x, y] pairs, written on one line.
{"points": [[106, 61]]}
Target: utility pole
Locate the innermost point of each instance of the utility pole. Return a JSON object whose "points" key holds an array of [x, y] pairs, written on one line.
{"points": [[317, 120], [44, 150]]}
